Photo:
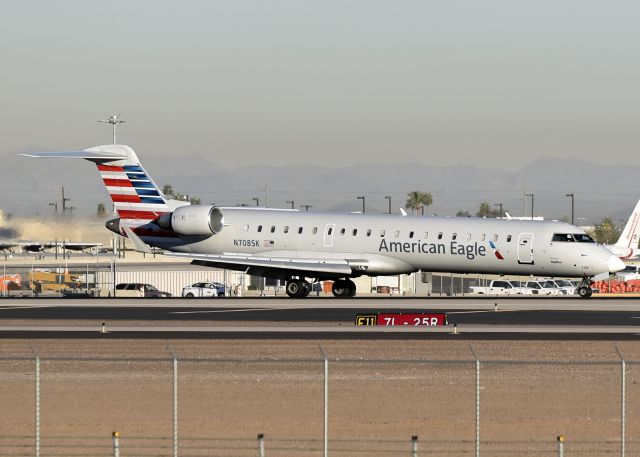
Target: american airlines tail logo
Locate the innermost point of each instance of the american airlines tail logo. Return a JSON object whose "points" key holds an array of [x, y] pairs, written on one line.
{"points": [[495, 250]]}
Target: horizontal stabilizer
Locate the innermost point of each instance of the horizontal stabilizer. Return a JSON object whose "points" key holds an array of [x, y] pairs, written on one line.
{"points": [[334, 266], [88, 155]]}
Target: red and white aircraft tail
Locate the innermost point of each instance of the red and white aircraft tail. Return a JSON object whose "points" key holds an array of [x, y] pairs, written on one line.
{"points": [[627, 245], [136, 197]]}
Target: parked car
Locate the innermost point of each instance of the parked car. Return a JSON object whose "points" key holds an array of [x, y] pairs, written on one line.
{"points": [[565, 285], [630, 272], [521, 288], [131, 289], [542, 288], [204, 289], [495, 287]]}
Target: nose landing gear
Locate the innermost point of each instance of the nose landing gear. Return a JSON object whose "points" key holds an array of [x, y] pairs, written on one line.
{"points": [[584, 289]]}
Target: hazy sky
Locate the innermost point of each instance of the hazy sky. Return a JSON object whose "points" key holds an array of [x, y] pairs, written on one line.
{"points": [[333, 82]]}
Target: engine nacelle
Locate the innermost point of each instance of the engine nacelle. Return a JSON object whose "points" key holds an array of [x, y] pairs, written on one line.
{"points": [[193, 220]]}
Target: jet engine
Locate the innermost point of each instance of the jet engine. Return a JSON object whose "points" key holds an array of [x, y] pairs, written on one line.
{"points": [[193, 220]]}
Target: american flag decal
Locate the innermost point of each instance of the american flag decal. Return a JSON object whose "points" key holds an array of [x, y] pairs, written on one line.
{"points": [[268, 243]]}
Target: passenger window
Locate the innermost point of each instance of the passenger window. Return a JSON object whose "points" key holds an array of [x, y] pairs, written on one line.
{"points": [[508, 238], [273, 229], [246, 228], [410, 234], [299, 229], [368, 232], [468, 236], [440, 235], [483, 237], [259, 228], [330, 231], [495, 238], [425, 235], [342, 231], [454, 236], [382, 233], [355, 232], [286, 229], [315, 230], [397, 233]]}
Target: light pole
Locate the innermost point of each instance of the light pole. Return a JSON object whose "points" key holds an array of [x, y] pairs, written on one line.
{"points": [[292, 203], [572, 206], [113, 120], [257, 200], [499, 205], [388, 197], [306, 207], [361, 198], [530, 195], [55, 206]]}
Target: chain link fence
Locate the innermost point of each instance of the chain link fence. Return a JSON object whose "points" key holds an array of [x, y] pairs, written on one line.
{"points": [[55, 406]]}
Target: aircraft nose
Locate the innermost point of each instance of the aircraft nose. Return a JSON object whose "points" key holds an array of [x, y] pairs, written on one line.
{"points": [[615, 264]]}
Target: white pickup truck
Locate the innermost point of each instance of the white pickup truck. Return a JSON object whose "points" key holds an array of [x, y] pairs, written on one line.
{"points": [[630, 272], [496, 287], [204, 289]]}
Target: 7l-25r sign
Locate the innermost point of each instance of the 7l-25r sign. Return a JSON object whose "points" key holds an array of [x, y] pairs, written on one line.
{"points": [[411, 319]]}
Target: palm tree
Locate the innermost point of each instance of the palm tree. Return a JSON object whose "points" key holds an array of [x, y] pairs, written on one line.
{"points": [[194, 200], [417, 200], [167, 190]]}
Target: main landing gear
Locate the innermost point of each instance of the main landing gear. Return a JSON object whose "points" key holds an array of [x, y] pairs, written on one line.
{"points": [[343, 288], [584, 289], [299, 288]]}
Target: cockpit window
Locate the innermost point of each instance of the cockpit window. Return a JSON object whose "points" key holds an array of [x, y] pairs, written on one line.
{"points": [[572, 238], [563, 237]]}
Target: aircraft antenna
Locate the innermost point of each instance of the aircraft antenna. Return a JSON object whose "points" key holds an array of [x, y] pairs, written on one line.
{"points": [[113, 120]]}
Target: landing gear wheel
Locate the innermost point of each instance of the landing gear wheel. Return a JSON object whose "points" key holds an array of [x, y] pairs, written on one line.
{"points": [[297, 289], [343, 288], [585, 291]]}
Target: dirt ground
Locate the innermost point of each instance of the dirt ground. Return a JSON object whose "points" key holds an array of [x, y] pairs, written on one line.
{"points": [[380, 394]]}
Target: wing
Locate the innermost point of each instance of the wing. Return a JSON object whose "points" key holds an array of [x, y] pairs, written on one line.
{"points": [[272, 267]]}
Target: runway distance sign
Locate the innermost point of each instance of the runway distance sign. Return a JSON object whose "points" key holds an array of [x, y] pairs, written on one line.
{"points": [[394, 319]]}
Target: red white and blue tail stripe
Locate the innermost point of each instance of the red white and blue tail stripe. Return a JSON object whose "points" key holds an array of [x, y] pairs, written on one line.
{"points": [[134, 194]]}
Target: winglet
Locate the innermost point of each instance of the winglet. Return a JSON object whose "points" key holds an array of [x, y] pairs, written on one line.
{"points": [[138, 244]]}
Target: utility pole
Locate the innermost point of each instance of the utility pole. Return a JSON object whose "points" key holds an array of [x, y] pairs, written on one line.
{"points": [[113, 120], [64, 202], [500, 205], [530, 195], [306, 207], [257, 200], [572, 206], [55, 206], [388, 197], [362, 198], [292, 203]]}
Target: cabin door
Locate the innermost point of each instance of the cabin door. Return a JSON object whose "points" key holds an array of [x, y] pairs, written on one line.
{"points": [[328, 235], [525, 248]]}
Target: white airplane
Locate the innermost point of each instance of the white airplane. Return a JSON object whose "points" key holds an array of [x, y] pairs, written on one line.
{"points": [[627, 245], [293, 245]]}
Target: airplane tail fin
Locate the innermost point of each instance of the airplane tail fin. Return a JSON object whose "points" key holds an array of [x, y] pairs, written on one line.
{"points": [[631, 234], [134, 194]]}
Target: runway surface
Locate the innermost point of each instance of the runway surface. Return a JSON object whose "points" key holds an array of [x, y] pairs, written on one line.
{"points": [[484, 317]]}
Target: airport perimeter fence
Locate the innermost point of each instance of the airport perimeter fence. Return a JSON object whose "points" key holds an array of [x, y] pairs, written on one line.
{"points": [[98, 279], [327, 406]]}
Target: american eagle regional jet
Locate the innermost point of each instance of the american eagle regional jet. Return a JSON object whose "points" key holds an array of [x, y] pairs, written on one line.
{"points": [[293, 246]]}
